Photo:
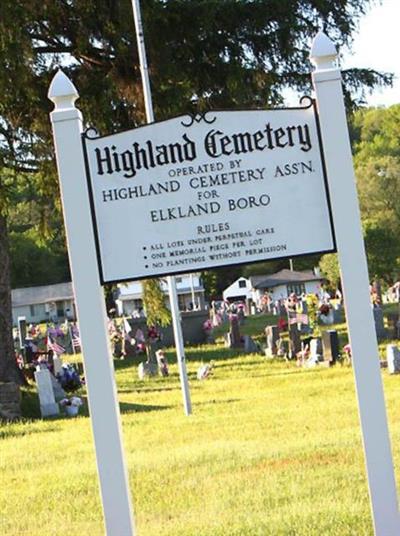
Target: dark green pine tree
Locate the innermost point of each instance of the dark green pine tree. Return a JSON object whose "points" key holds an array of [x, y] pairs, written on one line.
{"points": [[218, 53]]}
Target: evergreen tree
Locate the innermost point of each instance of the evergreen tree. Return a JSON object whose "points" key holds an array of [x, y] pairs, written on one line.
{"points": [[218, 53]]}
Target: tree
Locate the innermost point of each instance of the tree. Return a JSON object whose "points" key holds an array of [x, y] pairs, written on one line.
{"points": [[330, 268], [377, 165], [239, 53]]}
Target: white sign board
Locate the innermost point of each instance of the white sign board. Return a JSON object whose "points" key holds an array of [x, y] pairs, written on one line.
{"points": [[222, 188]]}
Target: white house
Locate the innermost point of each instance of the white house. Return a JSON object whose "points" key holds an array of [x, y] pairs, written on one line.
{"points": [[189, 288], [240, 290], [48, 302], [284, 282], [278, 285]]}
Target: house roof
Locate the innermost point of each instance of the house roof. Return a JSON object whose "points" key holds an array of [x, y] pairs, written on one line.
{"points": [[283, 277], [43, 294]]}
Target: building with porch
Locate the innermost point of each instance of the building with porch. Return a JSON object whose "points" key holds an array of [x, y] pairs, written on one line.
{"points": [[189, 288], [44, 303]]}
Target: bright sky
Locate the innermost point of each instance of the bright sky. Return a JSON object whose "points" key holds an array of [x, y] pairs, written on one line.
{"points": [[377, 46]]}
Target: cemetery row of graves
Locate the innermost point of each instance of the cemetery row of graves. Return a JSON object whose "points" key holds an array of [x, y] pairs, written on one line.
{"points": [[306, 331], [263, 441]]}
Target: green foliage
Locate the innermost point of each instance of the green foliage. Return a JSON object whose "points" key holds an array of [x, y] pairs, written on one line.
{"points": [[330, 268], [33, 264], [210, 282], [383, 252], [157, 312], [377, 164]]}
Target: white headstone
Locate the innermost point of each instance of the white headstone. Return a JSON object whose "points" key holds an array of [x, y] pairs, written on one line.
{"points": [[315, 349], [57, 365], [393, 358], [48, 405]]}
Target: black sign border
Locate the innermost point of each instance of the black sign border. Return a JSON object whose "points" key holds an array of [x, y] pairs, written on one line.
{"points": [[91, 133]]}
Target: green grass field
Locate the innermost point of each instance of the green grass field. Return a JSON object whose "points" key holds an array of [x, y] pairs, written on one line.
{"points": [[270, 449]]}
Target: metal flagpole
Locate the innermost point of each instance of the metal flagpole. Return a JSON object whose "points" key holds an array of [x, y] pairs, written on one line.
{"points": [[173, 297]]}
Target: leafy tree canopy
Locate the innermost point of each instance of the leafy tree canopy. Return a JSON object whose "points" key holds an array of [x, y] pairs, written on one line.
{"points": [[377, 164]]}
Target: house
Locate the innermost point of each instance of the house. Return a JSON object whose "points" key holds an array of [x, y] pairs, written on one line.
{"points": [[278, 285], [39, 304], [189, 288], [240, 290], [284, 282]]}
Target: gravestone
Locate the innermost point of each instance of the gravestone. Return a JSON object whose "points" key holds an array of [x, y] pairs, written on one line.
{"points": [[57, 365], [330, 345], [294, 341], [328, 319], [234, 339], [393, 359], [272, 335], [337, 314], [250, 347], [58, 391], [393, 321], [379, 324], [147, 369], [48, 405], [316, 351]]}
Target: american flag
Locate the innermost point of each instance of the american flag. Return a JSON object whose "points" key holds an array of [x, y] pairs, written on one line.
{"points": [[54, 346], [298, 318], [76, 341]]}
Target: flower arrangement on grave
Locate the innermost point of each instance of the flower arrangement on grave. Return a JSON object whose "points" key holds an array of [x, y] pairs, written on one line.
{"points": [[347, 351], [208, 326], [73, 401], [312, 311], [69, 378], [324, 309], [153, 334]]}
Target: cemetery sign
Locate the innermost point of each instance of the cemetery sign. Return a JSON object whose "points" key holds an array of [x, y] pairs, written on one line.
{"points": [[215, 189]]}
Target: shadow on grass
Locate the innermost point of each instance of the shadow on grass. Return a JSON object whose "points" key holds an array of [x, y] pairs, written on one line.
{"points": [[212, 402], [155, 389], [127, 407]]}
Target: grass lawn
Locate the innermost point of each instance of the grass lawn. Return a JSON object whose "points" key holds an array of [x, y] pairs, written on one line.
{"points": [[270, 449]]}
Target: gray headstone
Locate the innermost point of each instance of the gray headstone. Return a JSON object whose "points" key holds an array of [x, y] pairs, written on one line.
{"points": [[337, 315], [393, 358], [294, 341], [234, 332], [48, 405], [147, 369], [58, 391], [379, 325], [272, 333], [249, 345], [330, 345]]}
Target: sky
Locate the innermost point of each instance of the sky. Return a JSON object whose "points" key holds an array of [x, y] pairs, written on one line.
{"points": [[377, 45]]}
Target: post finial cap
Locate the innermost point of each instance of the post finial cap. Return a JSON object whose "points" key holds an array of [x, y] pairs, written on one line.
{"points": [[62, 91], [323, 52]]}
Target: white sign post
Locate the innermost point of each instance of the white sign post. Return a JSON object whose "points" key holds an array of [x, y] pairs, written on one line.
{"points": [[355, 282], [99, 373]]}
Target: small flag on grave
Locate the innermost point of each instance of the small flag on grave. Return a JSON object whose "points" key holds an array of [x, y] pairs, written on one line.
{"points": [[76, 341], [54, 346]]}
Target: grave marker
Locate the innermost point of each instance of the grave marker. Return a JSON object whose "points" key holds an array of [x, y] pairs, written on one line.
{"points": [[330, 345], [48, 405], [393, 359]]}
